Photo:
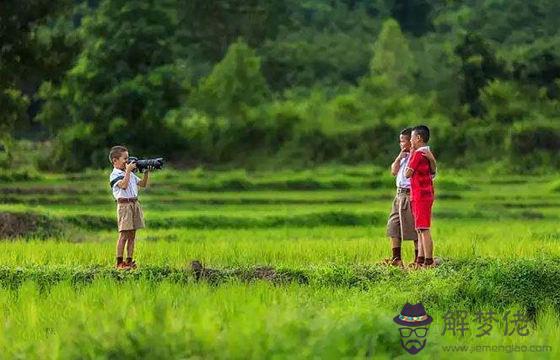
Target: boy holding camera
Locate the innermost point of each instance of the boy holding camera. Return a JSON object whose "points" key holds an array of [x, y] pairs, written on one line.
{"points": [[124, 184]]}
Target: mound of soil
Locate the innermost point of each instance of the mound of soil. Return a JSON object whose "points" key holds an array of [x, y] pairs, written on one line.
{"points": [[248, 274], [13, 225]]}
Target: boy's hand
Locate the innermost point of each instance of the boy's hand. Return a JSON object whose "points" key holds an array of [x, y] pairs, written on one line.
{"points": [[144, 182], [131, 166], [427, 153], [403, 154]]}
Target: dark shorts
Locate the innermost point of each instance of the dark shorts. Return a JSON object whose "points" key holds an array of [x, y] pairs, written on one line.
{"points": [[401, 222]]}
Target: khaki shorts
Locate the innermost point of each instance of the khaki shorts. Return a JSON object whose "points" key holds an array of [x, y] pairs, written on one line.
{"points": [[401, 221], [130, 216]]}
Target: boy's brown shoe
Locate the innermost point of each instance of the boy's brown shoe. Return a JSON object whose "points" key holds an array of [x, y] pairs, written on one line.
{"points": [[392, 262], [415, 266], [437, 262], [397, 262], [122, 266], [385, 262]]}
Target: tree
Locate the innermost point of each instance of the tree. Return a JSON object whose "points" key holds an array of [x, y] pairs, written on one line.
{"points": [[505, 102], [210, 27], [538, 64], [123, 82], [235, 83], [392, 58], [412, 15], [479, 65], [13, 105], [19, 58]]}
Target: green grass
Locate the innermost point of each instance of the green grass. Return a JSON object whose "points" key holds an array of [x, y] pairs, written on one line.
{"points": [[141, 319], [288, 246], [320, 232]]}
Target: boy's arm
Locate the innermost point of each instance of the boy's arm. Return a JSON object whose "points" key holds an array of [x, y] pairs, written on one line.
{"points": [[430, 156], [144, 182], [123, 184], [396, 165]]}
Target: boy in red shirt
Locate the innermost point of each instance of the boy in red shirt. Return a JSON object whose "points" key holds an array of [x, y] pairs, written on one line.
{"points": [[420, 170]]}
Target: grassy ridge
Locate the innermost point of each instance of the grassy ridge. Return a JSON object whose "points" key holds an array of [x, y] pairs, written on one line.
{"points": [[529, 284]]}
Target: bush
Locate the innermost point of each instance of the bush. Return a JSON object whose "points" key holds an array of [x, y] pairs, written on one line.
{"points": [[534, 144], [19, 175], [76, 147]]}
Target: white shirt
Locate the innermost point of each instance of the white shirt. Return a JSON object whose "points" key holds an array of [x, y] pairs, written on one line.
{"points": [[131, 190], [402, 181]]}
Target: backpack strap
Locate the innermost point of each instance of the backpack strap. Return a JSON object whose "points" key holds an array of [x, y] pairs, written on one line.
{"points": [[116, 180]]}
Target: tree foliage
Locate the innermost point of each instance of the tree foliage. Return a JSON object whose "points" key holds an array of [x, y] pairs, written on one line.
{"points": [[288, 82]]}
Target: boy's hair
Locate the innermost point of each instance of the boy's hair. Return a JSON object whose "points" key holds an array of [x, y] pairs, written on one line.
{"points": [[423, 131], [406, 132], [116, 152]]}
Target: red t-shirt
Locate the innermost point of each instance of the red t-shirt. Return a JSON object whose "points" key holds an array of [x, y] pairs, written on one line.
{"points": [[421, 185]]}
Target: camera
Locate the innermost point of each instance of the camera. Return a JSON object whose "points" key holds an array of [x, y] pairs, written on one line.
{"points": [[143, 164]]}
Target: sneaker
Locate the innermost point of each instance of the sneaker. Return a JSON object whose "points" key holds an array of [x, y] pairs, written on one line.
{"points": [[131, 264], [437, 262], [415, 266], [397, 262], [386, 261], [122, 266], [392, 262]]}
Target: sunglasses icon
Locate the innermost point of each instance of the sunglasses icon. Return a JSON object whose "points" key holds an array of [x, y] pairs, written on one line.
{"points": [[420, 331]]}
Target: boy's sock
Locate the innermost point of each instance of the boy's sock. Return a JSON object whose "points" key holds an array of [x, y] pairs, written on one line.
{"points": [[415, 255], [429, 261], [119, 259], [420, 260], [396, 253], [128, 259]]}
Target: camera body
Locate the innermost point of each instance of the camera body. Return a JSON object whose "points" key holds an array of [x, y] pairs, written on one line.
{"points": [[143, 164]]}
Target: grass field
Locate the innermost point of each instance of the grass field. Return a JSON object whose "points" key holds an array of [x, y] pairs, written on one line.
{"points": [[295, 258]]}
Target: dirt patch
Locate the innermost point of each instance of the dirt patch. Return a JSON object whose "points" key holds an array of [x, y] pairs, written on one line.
{"points": [[215, 276], [14, 225]]}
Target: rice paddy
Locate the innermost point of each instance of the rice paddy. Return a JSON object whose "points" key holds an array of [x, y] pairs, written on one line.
{"points": [[291, 267]]}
